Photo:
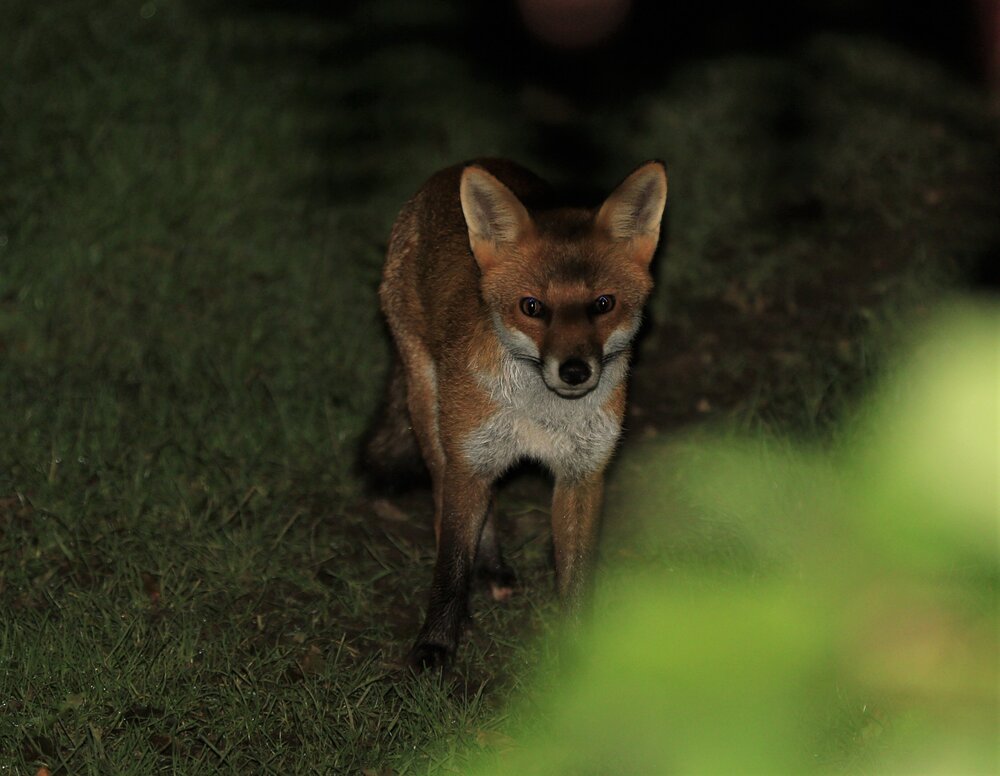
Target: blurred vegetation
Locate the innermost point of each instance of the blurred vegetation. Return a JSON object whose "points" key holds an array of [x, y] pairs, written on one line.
{"points": [[844, 618]]}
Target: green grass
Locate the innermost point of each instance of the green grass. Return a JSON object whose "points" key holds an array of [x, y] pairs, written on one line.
{"points": [[194, 203]]}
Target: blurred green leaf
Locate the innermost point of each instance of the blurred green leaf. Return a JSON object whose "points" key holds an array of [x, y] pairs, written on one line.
{"points": [[866, 574]]}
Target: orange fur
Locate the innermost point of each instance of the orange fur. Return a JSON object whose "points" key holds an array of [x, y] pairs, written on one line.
{"points": [[513, 322]]}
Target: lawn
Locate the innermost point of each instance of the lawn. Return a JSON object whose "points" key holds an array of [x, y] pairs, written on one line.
{"points": [[194, 205]]}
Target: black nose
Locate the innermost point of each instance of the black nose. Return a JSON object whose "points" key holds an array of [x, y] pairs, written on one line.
{"points": [[574, 371]]}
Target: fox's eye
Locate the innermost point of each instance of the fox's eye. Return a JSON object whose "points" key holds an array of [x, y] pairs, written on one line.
{"points": [[532, 307], [605, 303]]}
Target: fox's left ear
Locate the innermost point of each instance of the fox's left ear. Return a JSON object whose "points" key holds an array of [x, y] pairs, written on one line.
{"points": [[634, 210]]}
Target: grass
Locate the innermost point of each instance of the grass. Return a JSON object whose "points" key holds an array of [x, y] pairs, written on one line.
{"points": [[193, 214]]}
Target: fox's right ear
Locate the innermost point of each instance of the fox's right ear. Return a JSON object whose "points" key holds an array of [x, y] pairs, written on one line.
{"points": [[634, 210], [495, 216]]}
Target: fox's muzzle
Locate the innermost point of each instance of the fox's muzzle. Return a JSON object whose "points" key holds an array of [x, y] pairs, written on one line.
{"points": [[573, 377], [574, 371]]}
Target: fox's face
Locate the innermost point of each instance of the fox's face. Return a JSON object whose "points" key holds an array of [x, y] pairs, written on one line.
{"points": [[568, 309], [566, 291]]}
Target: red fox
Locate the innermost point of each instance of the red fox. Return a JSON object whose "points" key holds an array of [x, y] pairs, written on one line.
{"points": [[512, 322]]}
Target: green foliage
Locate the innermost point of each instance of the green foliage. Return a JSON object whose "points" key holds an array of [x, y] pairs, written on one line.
{"points": [[863, 635]]}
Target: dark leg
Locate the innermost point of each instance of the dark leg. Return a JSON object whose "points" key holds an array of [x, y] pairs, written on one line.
{"points": [[490, 564], [465, 501]]}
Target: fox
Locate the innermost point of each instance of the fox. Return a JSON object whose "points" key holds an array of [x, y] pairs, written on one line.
{"points": [[512, 319]]}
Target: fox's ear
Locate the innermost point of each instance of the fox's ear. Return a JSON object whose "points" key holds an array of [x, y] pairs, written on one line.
{"points": [[634, 210], [495, 216]]}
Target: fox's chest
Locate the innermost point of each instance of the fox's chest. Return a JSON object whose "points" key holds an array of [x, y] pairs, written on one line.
{"points": [[572, 437], [570, 447]]}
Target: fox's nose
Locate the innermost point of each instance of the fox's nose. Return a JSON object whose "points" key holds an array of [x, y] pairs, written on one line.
{"points": [[574, 371]]}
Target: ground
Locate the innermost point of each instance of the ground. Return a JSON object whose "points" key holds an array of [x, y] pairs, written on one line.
{"points": [[193, 215]]}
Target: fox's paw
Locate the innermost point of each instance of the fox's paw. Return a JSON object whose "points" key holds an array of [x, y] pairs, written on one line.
{"points": [[501, 581], [502, 584], [426, 656]]}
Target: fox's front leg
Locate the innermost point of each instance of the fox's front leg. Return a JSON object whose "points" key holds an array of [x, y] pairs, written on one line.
{"points": [[576, 509], [463, 506]]}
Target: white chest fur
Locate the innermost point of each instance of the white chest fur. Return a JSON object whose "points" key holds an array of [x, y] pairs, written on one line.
{"points": [[572, 437]]}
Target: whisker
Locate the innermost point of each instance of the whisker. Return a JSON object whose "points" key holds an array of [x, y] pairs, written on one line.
{"points": [[612, 356], [529, 359]]}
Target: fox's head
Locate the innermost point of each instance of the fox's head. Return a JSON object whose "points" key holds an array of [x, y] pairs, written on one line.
{"points": [[566, 287]]}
